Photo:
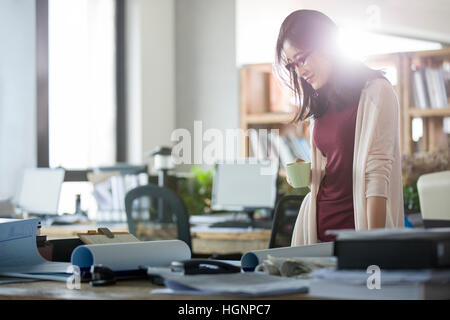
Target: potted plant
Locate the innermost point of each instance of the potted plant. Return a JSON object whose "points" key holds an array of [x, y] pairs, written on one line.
{"points": [[413, 166], [196, 190]]}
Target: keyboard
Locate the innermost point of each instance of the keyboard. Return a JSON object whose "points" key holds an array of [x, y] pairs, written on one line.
{"points": [[259, 224]]}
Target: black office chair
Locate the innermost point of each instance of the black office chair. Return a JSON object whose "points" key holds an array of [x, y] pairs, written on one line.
{"points": [[284, 217], [144, 211]]}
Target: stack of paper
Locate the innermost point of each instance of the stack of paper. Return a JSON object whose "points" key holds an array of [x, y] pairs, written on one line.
{"points": [[250, 284], [19, 255], [393, 284]]}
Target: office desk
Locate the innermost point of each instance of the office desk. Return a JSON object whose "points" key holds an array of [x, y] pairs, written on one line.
{"points": [[122, 290], [204, 241], [71, 231], [240, 241]]}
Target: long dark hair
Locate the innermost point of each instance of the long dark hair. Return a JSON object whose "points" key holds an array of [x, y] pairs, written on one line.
{"points": [[311, 30]]}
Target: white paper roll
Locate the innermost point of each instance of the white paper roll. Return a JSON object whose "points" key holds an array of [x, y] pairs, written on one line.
{"points": [[251, 259], [131, 255]]}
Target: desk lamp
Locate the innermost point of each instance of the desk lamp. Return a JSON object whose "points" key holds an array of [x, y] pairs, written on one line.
{"points": [[163, 162]]}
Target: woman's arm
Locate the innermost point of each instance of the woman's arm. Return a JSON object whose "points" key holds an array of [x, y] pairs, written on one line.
{"points": [[376, 212], [381, 156]]}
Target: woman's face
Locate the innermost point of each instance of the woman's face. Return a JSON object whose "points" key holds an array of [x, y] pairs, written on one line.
{"points": [[313, 66]]}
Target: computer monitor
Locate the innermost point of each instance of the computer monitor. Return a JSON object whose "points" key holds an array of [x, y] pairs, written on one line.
{"points": [[244, 186], [40, 191]]}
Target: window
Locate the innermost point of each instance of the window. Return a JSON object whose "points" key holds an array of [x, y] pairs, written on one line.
{"points": [[80, 91], [82, 83], [360, 44]]}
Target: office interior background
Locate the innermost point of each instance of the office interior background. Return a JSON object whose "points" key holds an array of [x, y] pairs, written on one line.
{"points": [[93, 83]]}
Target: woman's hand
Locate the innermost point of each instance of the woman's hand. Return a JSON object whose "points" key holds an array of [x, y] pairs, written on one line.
{"points": [[287, 178]]}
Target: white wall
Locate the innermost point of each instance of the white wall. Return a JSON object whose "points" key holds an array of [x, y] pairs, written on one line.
{"points": [[150, 59], [17, 92], [257, 26], [207, 85], [258, 21]]}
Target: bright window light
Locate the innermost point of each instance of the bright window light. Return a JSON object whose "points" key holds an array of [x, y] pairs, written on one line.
{"points": [[70, 190], [417, 129], [82, 106], [446, 125], [360, 44]]}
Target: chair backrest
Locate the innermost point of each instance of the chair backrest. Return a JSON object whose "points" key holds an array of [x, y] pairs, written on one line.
{"points": [[285, 215], [171, 200]]}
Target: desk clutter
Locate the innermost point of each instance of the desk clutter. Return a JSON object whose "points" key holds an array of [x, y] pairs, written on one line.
{"points": [[102, 257], [104, 235], [387, 264]]}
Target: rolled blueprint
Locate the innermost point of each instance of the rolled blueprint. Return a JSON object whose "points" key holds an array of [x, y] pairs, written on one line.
{"points": [[131, 255], [253, 258]]}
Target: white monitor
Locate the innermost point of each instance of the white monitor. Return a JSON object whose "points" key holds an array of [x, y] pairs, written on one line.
{"points": [[244, 186], [40, 191]]}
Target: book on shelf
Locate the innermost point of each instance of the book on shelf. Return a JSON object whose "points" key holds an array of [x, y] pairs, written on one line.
{"points": [[443, 94], [272, 149], [286, 154], [110, 193], [436, 87], [300, 147], [280, 150], [259, 145], [421, 99], [446, 72], [288, 148]]}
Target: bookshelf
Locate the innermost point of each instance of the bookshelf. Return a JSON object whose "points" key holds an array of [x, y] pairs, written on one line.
{"points": [[268, 118], [423, 113], [265, 104], [434, 138]]}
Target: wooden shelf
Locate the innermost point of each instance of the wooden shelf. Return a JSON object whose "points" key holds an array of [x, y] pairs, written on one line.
{"points": [[431, 53], [268, 118], [415, 112], [260, 92]]}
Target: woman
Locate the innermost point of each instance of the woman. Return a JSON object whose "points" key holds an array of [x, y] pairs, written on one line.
{"points": [[354, 113]]}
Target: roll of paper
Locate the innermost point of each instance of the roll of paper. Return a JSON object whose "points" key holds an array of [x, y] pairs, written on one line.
{"points": [[131, 255], [251, 259]]}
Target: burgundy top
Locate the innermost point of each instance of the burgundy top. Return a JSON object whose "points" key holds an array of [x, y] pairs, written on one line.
{"points": [[334, 136]]}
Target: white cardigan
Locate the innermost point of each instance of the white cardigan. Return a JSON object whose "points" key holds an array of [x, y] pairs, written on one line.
{"points": [[376, 164]]}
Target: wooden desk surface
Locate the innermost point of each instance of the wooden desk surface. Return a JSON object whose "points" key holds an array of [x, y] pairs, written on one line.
{"points": [[122, 290], [202, 242]]}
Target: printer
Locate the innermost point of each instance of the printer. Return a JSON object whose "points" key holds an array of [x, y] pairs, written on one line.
{"points": [[434, 197]]}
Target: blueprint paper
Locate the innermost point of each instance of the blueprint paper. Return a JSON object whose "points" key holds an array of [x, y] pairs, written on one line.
{"points": [[26, 277], [131, 255], [388, 277], [253, 258], [18, 250], [252, 284]]}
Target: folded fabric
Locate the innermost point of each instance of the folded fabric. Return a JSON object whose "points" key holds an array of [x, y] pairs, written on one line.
{"points": [[294, 267]]}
